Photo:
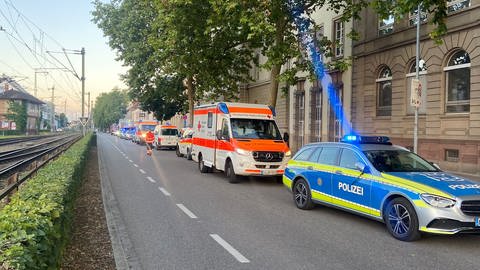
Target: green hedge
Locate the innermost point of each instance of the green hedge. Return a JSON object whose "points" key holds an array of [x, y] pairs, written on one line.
{"points": [[35, 225]]}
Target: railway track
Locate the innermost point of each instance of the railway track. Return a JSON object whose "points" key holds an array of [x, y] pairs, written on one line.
{"points": [[17, 165]]}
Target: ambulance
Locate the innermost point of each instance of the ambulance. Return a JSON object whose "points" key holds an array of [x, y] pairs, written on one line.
{"points": [[239, 139], [142, 128]]}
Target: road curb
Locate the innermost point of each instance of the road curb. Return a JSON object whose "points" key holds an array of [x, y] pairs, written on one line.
{"points": [[123, 250]]}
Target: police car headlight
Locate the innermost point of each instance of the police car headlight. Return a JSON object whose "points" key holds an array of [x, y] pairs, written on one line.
{"points": [[288, 154], [438, 201], [243, 152]]}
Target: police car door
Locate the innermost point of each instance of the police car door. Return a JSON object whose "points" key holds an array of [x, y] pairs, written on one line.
{"points": [[349, 185]]}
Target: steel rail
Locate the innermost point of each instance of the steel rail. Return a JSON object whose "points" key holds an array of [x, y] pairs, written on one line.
{"points": [[24, 162], [22, 139], [27, 151]]}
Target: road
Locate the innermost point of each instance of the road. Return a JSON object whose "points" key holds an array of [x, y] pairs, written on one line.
{"points": [[164, 214]]}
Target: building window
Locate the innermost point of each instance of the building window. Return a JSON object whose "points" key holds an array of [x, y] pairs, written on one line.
{"points": [[456, 5], [412, 16], [423, 80], [385, 26], [384, 92], [451, 155], [339, 34], [316, 111], [300, 113], [457, 75]]}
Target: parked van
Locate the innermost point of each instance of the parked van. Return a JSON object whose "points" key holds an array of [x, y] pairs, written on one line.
{"points": [[184, 145], [165, 136], [239, 139]]}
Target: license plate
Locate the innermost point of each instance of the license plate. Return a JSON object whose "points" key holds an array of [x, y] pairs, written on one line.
{"points": [[268, 172], [477, 221]]}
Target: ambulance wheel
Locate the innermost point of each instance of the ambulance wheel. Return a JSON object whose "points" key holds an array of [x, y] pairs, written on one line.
{"points": [[177, 151], [230, 173], [401, 220], [189, 154], [302, 195], [201, 165]]}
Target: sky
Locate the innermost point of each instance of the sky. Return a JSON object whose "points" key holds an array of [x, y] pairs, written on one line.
{"points": [[32, 42]]}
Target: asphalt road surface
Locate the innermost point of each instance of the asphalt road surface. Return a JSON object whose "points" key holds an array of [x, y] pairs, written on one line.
{"points": [[164, 214]]}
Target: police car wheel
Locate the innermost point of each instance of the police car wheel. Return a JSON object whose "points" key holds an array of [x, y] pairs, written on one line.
{"points": [[230, 173], [177, 151], [302, 195], [401, 220], [201, 165]]}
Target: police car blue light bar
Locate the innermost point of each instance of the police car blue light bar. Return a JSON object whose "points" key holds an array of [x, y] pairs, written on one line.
{"points": [[366, 139]]}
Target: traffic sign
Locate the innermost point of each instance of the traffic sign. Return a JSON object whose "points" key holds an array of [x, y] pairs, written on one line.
{"points": [[83, 120]]}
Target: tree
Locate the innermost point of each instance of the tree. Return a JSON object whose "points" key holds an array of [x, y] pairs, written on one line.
{"points": [[109, 108], [17, 112], [62, 120]]}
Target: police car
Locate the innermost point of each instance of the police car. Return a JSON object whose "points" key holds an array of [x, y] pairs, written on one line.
{"points": [[371, 177]]}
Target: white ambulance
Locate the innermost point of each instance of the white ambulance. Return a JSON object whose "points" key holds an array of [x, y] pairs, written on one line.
{"points": [[239, 139], [165, 136]]}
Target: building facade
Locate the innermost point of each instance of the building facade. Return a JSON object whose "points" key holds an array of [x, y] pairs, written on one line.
{"points": [[449, 114]]}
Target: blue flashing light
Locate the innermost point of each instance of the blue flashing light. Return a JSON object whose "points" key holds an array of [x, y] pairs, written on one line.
{"points": [[223, 108], [351, 138], [274, 113]]}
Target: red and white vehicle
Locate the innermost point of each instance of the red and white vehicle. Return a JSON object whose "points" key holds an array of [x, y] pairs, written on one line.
{"points": [[239, 139], [184, 146]]}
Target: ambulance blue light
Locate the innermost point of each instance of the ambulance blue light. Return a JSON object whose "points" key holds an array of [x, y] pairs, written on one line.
{"points": [[274, 113], [223, 108]]}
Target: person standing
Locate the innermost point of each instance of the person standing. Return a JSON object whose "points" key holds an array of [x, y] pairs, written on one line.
{"points": [[149, 139]]}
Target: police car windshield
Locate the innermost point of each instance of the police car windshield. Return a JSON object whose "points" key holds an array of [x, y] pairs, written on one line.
{"points": [[255, 129], [398, 161]]}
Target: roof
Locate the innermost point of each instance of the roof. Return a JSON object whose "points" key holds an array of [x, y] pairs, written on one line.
{"points": [[18, 95]]}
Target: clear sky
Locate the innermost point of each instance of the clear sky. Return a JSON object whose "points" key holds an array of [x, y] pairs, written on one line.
{"points": [[35, 32]]}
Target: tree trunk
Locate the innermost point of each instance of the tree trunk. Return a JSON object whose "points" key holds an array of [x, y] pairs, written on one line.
{"points": [[191, 99], [274, 84]]}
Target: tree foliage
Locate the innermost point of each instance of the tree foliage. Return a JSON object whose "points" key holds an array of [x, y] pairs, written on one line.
{"points": [[109, 108], [212, 43], [17, 112], [62, 120]]}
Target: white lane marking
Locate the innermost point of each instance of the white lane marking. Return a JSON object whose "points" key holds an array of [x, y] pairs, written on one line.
{"points": [[151, 179], [130, 160], [135, 165], [229, 248], [164, 191], [142, 171], [186, 211]]}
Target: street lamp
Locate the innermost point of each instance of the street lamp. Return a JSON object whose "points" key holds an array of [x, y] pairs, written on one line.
{"points": [[417, 70]]}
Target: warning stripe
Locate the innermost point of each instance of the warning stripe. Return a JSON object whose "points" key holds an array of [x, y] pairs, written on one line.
{"points": [[221, 145]]}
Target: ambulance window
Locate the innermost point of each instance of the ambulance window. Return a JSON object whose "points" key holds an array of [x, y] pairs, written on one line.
{"points": [[305, 154], [225, 128], [348, 159], [210, 120], [328, 156]]}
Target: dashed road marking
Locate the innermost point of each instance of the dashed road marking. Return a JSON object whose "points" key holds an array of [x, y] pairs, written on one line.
{"points": [[237, 255], [164, 191], [142, 171], [135, 165], [186, 211], [130, 160], [151, 179]]}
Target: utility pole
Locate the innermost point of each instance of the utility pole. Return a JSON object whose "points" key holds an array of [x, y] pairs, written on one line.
{"points": [[53, 109], [83, 88], [88, 108], [417, 69], [65, 107]]}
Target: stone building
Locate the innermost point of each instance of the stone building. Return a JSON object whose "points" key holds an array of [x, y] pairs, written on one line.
{"points": [[449, 115]]}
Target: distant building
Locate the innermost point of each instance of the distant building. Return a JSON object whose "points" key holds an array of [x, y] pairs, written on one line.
{"points": [[10, 90], [449, 115]]}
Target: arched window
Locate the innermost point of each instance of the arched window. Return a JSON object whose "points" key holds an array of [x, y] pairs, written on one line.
{"points": [[457, 79], [384, 92], [422, 76]]}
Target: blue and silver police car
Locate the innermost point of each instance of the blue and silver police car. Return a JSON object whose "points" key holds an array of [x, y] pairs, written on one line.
{"points": [[371, 177]]}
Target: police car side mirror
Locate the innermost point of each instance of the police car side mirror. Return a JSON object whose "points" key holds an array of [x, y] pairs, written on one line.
{"points": [[362, 167]]}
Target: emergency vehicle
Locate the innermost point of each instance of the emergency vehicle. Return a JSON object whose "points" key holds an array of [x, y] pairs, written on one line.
{"points": [[184, 145], [239, 139], [166, 136], [142, 128], [371, 177]]}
